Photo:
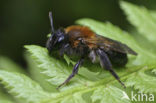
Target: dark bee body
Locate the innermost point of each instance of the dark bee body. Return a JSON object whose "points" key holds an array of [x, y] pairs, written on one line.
{"points": [[117, 59], [80, 35], [82, 42]]}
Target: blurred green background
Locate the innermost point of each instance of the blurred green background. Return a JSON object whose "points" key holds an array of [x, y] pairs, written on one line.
{"points": [[26, 21]]}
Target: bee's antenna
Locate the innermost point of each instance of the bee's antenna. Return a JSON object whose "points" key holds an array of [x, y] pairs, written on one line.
{"points": [[51, 21]]}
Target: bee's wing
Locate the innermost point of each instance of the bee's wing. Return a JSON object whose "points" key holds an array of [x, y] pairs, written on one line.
{"points": [[109, 44]]}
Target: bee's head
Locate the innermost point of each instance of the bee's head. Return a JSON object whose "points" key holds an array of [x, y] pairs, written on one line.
{"points": [[57, 37]]}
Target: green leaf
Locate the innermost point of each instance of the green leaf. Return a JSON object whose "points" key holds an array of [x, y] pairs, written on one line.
{"points": [[36, 74], [110, 95], [153, 14], [142, 81], [9, 65], [76, 98], [22, 87], [51, 66], [142, 19], [154, 71], [5, 101], [4, 97]]}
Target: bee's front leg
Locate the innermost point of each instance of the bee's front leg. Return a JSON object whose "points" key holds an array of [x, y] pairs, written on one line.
{"points": [[75, 71]]}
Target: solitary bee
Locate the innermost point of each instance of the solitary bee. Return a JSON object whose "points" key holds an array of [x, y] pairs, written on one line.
{"points": [[82, 42]]}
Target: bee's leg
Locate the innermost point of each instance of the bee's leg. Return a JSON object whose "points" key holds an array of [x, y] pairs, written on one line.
{"points": [[92, 56], [64, 48], [75, 71], [105, 63]]}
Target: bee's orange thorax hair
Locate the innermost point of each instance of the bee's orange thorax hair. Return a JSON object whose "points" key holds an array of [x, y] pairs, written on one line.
{"points": [[77, 31], [81, 31]]}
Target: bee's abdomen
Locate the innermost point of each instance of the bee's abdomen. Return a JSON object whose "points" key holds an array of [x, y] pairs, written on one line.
{"points": [[117, 58]]}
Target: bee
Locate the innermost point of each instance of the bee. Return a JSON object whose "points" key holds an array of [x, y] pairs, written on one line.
{"points": [[82, 42]]}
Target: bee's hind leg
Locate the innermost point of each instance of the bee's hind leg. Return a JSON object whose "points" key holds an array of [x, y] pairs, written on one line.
{"points": [[105, 63], [74, 71]]}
